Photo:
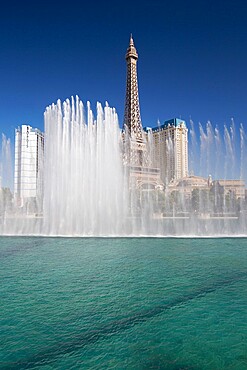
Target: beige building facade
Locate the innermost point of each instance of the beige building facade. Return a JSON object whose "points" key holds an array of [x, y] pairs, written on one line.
{"points": [[236, 187], [226, 187], [170, 149]]}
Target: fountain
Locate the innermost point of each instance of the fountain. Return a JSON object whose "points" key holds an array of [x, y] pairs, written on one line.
{"points": [[85, 191], [86, 188]]}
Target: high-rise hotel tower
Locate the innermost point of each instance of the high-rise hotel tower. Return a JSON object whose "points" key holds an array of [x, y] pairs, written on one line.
{"points": [[29, 160], [170, 149]]}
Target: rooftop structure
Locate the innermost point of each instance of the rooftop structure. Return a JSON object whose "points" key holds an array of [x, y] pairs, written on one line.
{"points": [[173, 122], [236, 187]]}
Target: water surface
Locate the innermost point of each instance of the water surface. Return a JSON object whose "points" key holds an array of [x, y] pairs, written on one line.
{"points": [[123, 303]]}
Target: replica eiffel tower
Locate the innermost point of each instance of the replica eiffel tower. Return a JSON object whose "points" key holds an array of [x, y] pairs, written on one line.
{"points": [[137, 156]]}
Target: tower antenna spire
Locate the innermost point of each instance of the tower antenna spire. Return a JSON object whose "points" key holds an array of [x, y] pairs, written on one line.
{"points": [[131, 40]]}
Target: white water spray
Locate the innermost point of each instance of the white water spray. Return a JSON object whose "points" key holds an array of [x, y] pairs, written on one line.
{"points": [[84, 184]]}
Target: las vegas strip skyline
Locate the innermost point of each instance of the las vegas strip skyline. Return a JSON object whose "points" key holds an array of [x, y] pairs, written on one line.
{"points": [[191, 63]]}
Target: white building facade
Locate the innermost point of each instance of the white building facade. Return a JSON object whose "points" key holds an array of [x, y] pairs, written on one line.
{"points": [[29, 163]]}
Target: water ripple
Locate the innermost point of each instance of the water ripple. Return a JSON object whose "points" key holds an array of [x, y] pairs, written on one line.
{"points": [[48, 355]]}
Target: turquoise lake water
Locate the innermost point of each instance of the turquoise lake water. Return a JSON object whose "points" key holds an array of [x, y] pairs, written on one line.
{"points": [[123, 303]]}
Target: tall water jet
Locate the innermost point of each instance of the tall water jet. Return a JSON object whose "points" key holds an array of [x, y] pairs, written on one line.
{"points": [[219, 159], [194, 146], [85, 190], [243, 151], [230, 153], [6, 178], [6, 173]]}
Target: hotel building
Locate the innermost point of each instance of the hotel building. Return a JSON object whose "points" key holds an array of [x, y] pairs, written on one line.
{"points": [[29, 160], [170, 149]]}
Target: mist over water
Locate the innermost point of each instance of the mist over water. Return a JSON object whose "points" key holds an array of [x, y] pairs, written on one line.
{"points": [[87, 190]]}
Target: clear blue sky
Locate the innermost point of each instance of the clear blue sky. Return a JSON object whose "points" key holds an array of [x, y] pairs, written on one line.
{"points": [[192, 58]]}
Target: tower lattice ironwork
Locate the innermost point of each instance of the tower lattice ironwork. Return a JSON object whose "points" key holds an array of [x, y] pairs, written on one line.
{"points": [[136, 153], [132, 117], [135, 142]]}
